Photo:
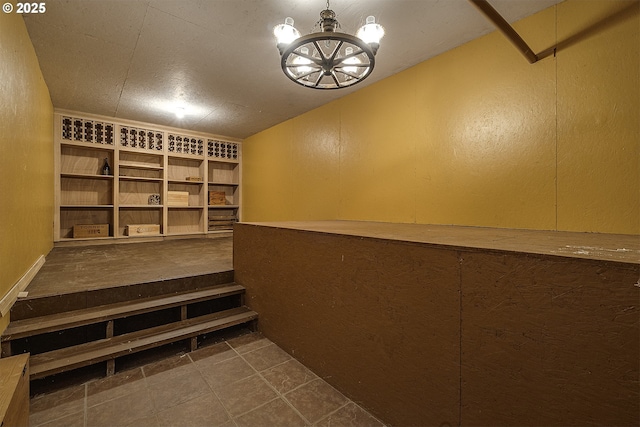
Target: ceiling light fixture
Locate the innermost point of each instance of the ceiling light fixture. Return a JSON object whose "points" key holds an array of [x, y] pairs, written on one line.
{"points": [[180, 112], [328, 59]]}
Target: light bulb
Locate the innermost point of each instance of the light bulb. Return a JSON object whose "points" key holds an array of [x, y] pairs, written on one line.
{"points": [[370, 32], [180, 112], [353, 60], [285, 33], [302, 61]]}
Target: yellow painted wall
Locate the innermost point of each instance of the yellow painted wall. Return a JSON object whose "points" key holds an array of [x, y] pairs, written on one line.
{"points": [[26, 163], [476, 136]]}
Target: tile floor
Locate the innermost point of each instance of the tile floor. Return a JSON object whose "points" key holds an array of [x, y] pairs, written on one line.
{"points": [[245, 381]]}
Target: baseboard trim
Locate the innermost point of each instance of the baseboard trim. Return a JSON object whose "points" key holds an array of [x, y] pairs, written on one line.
{"points": [[10, 298]]}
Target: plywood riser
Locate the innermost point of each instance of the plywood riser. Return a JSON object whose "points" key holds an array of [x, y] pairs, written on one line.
{"points": [[34, 307]]}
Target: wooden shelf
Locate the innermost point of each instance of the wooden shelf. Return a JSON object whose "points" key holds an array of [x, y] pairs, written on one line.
{"points": [[85, 239], [83, 196], [182, 181], [186, 233], [86, 206], [139, 166], [139, 178], [235, 162], [85, 176], [226, 184], [91, 145], [135, 150], [185, 156]]}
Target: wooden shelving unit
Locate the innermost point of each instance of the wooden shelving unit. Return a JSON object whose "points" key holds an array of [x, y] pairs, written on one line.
{"points": [[147, 162], [223, 176]]}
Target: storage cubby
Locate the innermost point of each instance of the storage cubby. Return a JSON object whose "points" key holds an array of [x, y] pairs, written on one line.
{"points": [[194, 190], [181, 168], [84, 161], [146, 163], [138, 193], [142, 166], [230, 191], [221, 218], [70, 216], [184, 221], [223, 177], [82, 191], [137, 216], [223, 173]]}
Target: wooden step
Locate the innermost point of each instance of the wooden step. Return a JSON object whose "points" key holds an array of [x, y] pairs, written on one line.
{"points": [[60, 321], [69, 358]]}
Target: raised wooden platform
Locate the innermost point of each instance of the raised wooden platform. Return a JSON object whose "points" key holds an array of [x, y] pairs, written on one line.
{"points": [[595, 246], [88, 268], [442, 325]]}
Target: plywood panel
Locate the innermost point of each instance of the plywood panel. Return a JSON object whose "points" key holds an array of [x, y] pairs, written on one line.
{"points": [[549, 342], [428, 334], [379, 320]]}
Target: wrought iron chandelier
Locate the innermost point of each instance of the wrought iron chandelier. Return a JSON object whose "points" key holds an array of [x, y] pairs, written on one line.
{"points": [[327, 59]]}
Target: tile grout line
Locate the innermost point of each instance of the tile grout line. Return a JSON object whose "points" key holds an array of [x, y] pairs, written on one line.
{"points": [[278, 394], [85, 408], [209, 385], [281, 395], [335, 410], [231, 418], [103, 378]]}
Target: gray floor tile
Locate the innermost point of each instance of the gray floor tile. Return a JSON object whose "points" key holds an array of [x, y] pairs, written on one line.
{"points": [[211, 387]]}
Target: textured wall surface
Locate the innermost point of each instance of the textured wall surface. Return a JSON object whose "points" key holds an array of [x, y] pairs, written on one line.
{"points": [[26, 163], [427, 334], [476, 136]]}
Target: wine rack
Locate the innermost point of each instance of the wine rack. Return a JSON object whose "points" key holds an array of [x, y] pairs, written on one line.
{"points": [[83, 130], [144, 139]]}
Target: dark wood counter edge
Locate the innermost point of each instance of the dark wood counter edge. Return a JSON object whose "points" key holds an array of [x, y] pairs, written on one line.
{"points": [[578, 251]]}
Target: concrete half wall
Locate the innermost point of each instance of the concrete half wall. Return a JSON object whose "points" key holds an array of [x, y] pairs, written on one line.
{"points": [[433, 334]]}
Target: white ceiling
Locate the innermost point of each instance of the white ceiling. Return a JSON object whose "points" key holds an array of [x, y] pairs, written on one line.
{"points": [[135, 59]]}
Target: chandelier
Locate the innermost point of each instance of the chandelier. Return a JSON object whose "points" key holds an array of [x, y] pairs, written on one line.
{"points": [[327, 59]]}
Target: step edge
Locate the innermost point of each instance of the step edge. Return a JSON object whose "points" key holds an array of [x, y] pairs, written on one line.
{"points": [[18, 331], [117, 350]]}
